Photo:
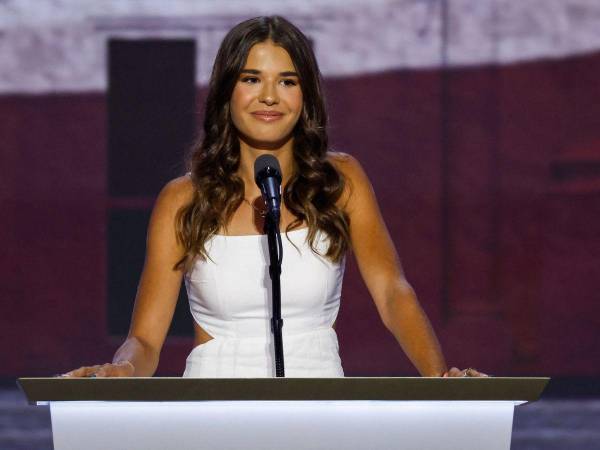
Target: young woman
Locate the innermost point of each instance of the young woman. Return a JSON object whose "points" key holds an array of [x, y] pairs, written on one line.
{"points": [[265, 97]]}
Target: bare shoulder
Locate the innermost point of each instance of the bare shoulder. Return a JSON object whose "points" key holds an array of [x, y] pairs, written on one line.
{"points": [[162, 227], [347, 165], [356, 180], [176, 193], [340, 160]]}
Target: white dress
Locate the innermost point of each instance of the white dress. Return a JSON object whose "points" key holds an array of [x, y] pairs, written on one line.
{"points": [[230, 298]]}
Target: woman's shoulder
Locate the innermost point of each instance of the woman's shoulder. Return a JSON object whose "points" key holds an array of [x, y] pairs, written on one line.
{"points": [[177, 192], [345, 163], [348, 166], [338, 158], [355, 178]]}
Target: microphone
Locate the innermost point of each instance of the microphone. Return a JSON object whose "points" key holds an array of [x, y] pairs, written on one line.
{"points": [[267, 175]]}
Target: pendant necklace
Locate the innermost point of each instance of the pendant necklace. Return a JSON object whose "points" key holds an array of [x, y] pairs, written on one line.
{"points": [[261, 212]]}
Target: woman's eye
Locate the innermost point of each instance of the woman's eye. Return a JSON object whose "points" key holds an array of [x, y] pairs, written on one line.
{"points": [[249, 80], [288, 82]]}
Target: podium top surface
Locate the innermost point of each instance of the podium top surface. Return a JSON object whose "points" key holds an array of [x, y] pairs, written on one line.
{"points": [[350, 388]]}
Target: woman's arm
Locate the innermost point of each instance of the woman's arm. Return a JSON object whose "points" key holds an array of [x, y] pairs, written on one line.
{"points": [[380, 268], [159, 285], [157, 293]]}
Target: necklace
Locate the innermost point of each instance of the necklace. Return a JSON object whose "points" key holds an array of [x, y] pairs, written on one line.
{"points": [[261, 212]]}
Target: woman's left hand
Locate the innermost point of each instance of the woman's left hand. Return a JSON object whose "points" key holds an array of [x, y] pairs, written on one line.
{"points": [[470, 372]]}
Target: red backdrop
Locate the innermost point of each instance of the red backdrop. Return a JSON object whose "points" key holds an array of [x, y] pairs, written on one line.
{"points": [[488, 178]]}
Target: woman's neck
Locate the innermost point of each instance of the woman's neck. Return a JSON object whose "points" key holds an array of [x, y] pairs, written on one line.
{"points": [[248, 154]]}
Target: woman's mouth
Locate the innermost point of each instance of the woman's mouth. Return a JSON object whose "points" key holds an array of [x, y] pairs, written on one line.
{"points": [[267, 116]]}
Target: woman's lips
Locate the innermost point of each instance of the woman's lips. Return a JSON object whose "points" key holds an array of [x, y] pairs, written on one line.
{"points": [[267, 116]]}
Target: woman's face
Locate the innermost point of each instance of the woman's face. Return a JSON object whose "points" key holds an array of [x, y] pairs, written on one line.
{"points": [[266, 102]]}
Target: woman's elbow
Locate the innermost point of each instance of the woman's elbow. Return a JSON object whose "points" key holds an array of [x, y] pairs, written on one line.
{"points": [[398, 297]]}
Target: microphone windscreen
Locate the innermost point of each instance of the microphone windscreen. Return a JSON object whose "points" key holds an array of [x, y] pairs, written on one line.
{"points": [[266, 165]]}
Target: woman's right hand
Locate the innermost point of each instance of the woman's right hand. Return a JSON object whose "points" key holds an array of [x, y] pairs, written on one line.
{"points": [[120, 369]]}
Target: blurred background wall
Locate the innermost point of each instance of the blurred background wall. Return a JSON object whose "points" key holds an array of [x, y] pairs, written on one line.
{"points": [[478, 122]]}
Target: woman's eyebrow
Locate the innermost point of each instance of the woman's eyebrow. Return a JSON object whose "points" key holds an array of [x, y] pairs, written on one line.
{"points": [[283, 74]]}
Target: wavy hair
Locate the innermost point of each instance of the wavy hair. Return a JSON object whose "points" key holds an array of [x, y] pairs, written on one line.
{"points": [[315, 187]]}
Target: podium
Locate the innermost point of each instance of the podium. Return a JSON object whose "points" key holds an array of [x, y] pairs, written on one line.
{"points": [[281, 413]]}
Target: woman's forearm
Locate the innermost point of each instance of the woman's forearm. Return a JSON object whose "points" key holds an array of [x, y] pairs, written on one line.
{"points": [[407, 321], [142, 356]]}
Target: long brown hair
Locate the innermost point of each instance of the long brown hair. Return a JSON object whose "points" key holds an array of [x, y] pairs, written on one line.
{"points": [[315, 187]]}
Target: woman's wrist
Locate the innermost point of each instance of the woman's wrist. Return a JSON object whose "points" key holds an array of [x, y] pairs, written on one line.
{"points": [[125, 363]]}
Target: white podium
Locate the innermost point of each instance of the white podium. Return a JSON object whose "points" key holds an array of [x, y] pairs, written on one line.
{"points": [[282, 413]]}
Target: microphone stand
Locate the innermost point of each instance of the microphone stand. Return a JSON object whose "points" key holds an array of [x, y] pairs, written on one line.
{"points": [[275, 258]]}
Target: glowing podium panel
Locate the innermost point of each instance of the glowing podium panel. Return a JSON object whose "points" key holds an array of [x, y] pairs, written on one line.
{"points": [[284, 413]]}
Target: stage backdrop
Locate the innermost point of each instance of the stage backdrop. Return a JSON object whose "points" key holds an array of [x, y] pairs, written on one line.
{"points": [[485, 161]]}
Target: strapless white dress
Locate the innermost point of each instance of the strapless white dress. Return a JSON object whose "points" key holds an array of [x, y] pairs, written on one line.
{"points": [[230, 298]]}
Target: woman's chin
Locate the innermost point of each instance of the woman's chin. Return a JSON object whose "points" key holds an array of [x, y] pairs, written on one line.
{"points": [[266, 142]]}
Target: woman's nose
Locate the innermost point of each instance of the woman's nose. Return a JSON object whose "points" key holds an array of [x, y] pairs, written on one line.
{"points": [[268, 94]]}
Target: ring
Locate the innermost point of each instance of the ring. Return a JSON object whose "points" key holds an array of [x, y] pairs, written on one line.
{"points": [[92, 375], [468, 372]]}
